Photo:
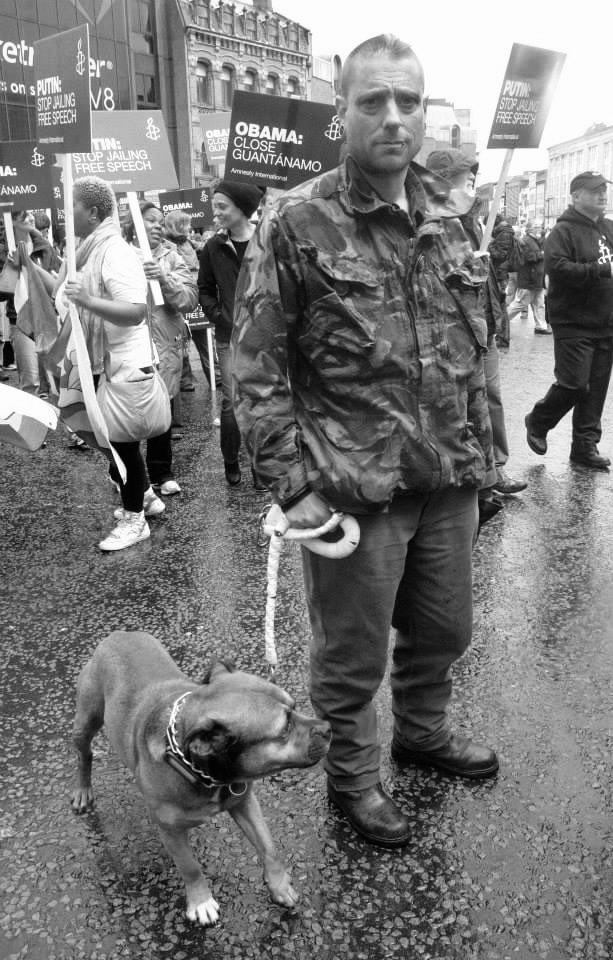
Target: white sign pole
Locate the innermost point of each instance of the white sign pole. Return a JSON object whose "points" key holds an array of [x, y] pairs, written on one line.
{"points": [[211, 349], [502, 179], [143, 242], [10, 233]]}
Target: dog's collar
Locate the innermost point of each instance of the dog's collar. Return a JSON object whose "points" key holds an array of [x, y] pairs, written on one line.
{"points": [[179, 762]]}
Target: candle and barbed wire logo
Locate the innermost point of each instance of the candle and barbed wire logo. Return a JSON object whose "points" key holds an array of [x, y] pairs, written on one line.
{"points": [[38, 158], [335, 129], [81, 59], [204, 197], [152, 132]]}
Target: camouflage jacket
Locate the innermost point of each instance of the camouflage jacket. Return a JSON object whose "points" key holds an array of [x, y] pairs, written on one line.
{"points": [[357, 351]]}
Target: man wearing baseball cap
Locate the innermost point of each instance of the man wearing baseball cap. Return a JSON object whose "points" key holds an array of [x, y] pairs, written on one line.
{"points": [[579, 265]]}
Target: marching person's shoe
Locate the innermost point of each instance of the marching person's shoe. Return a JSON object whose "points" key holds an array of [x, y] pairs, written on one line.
{"points": [[373, 815], [460, 757], [152, 505], [545, 330], [536, 441], [257, 483], [506, 484], [588, 456], [169, 488], [131, 529], [233, 473]]}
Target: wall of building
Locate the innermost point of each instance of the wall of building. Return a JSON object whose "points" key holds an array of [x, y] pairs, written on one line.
{"points": [[244, 47]]}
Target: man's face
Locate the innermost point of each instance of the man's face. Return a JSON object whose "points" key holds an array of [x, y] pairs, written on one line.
{"points": [[383, 113], [591, 203]]}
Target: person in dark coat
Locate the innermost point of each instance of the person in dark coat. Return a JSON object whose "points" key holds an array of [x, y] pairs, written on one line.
{"points": [[530, 278], [579, 265], [500, 249], [234, 204]]}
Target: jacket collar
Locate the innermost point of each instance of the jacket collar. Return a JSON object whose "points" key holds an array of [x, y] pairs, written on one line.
{"points": [[358, 195]]}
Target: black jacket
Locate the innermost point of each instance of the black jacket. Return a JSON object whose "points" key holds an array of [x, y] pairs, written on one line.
{"points": [[578, 254], [217, 276]]}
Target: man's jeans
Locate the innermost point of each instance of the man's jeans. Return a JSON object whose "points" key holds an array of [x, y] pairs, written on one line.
{"points": [[229, 434], [412, 570]]}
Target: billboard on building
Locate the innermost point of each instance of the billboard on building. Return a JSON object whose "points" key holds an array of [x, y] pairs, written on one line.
{"points": [[525, 97], [109, 57]]}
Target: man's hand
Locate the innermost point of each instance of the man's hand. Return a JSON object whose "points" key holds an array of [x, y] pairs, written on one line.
{"points": [[309, 513], [76, 291]]}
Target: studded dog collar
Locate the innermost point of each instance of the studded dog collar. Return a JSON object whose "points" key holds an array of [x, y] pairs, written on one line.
{"points": [[179, 762]]}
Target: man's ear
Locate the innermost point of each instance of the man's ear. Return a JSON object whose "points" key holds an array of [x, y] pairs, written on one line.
{"points": [[341, 106]]}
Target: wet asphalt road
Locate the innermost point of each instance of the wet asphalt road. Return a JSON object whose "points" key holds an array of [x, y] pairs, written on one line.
{"points": [[520, 866]]}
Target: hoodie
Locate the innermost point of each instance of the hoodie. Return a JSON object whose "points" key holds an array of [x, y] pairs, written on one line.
{"points": [[578, 256]]}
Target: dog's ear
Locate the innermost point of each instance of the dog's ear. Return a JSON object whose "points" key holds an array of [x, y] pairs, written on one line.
{"points": [[212, 741], [220, 666]]}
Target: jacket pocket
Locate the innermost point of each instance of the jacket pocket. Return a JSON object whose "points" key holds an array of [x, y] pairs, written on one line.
{"points": [[344, 305]]}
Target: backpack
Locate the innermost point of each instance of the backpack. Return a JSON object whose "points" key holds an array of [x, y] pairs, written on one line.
{"points": [[517, 257]]}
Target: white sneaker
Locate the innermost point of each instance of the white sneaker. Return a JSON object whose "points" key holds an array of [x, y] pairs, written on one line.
{"points": [[131, 529], [152, 505], [169, 487]]}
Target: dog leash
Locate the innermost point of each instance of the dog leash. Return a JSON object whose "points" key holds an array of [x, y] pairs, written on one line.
{"points": [[274, 524], [179, 762]]}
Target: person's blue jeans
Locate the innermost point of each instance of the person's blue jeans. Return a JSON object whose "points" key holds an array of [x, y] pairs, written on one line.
{"points": [[413, 571], [229, 434]]}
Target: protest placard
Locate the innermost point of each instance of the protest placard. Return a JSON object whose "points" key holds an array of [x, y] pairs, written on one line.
{"points": [[215, 132], [130, 150], [525, 97], [63, 110], [521, 111], [196, 203], [28, 177], [281, 142]]}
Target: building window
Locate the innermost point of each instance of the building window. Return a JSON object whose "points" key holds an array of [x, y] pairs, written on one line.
{"points": [[592, 161], [272, 85], [205, 165], [204, 86], [456, 137], [227, 86], [293, 87], [251, 81], [146, 96]]}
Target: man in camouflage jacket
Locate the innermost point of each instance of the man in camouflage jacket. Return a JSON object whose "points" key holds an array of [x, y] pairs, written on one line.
{"points": [[359, 385]]}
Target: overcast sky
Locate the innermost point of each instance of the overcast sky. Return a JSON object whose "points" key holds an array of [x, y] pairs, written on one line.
{"points": [[464, 49]]}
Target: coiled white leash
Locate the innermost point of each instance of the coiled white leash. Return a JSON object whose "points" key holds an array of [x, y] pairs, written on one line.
{"points": [[274, 524]]}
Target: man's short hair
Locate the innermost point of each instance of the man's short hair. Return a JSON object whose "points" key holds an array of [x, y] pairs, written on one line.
{"points": [[386, 43], [94, 192]]}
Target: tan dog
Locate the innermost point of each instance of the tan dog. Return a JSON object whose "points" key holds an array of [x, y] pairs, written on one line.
{"points": [[193, 748]]}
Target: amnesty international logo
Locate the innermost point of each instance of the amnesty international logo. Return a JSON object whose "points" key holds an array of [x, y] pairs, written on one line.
{"points": [[152, 132], [80, 64], [335, 129], [204, 197], [38, 159]]}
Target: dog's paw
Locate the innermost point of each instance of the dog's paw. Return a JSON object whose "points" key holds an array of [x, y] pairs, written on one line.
{"points": [[82, 800], [281, 889], [206, 912]]}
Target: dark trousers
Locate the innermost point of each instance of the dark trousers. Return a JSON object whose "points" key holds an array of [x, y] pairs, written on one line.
{"points": [[136, 481], [229, 434], [582, 371], [159, 458], [412, 571]]}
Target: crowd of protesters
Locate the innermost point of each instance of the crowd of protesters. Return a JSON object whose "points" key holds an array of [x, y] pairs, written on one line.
{"points": [[357, 322]]}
